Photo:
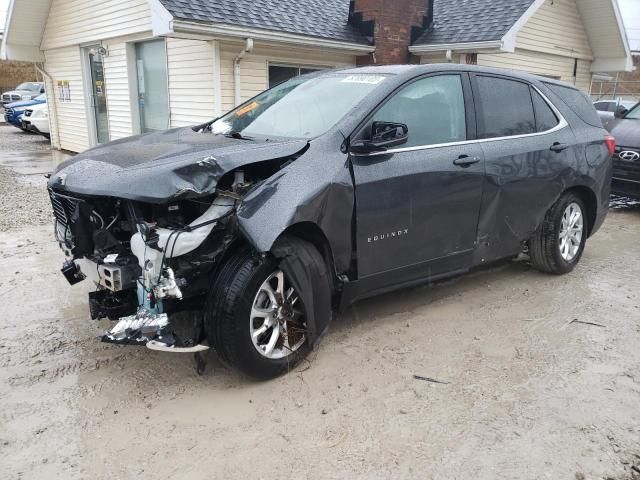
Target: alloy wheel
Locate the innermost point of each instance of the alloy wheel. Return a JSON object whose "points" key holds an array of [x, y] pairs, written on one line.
{"points": [[277, 324], [571, 231]]}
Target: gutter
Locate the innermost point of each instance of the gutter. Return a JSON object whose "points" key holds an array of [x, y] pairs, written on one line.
{"points": [[248, 48], [222, 32], [51, 104], [493, 44]]}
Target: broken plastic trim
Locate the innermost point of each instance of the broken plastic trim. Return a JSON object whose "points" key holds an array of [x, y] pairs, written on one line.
{"points": [[308, 274]]}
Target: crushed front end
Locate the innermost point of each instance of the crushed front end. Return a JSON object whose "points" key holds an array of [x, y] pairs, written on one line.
{"points": [[148, 261]]}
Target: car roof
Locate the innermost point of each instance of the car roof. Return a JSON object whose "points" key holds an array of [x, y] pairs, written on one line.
{"points": [[410, 71]]}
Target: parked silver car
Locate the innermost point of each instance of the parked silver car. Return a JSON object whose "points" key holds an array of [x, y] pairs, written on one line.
{"points": [[24, 91], [607, 109]]}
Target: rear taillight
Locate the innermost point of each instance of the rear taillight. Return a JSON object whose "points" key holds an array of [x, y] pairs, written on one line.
{"points": [[610, 142]]}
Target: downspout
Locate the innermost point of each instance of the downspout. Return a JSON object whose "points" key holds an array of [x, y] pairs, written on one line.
{"points": [[248, 48], [51, 102]]}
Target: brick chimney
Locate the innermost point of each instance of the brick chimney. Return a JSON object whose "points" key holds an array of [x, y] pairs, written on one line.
{"points": [[391, 25]]}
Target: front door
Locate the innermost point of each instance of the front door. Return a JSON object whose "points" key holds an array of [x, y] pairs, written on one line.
{"points": [[153, 95], [98, 94], [418, 205]]}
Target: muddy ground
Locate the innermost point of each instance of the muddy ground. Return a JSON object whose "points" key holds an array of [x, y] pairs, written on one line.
{"points": [[542, 372]]}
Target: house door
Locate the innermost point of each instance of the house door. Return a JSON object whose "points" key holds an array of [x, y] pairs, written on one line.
{"points": [[153, 95], [97, 95]]}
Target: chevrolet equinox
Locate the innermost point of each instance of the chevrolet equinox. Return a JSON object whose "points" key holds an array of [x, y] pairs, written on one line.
{"points": [[326, 189]]}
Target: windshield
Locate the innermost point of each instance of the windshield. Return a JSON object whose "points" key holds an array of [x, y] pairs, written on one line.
{"points": [[29, 86], [634, 113], [303, 107]]}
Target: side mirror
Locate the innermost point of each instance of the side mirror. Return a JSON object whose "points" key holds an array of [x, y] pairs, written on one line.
{"points": [[42, 90], [383, 135], [620, 112]]}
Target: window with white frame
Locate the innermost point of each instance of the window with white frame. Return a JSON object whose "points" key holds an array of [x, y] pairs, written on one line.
{"points": [[279, 73]]}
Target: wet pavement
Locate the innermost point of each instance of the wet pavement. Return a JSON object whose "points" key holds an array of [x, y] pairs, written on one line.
{"points": [[542, 372], [28, 153], [32, 163]]}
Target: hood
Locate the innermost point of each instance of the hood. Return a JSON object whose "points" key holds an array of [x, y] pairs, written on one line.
{"points": [[162, 166], [25, 103], [626, 132]]}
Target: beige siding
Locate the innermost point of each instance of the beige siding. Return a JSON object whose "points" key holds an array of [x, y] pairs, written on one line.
{"points": [[65, 64], [73, 22], [117, 87], [434, 57], [254, 67], [556, 28], [540, 64], [191, 81]]}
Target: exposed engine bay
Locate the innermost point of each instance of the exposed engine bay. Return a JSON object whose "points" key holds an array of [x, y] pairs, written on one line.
{"points": [[147, 260]]}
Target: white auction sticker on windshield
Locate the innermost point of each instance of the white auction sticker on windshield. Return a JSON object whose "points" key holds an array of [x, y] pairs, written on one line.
{"points": [[367, 79]]}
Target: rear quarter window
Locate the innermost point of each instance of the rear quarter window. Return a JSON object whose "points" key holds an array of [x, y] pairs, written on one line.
{"points": [[578, 102], [545, 118]]}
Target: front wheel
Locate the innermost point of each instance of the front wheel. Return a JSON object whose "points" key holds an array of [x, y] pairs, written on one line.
{"points": [[255, 319], [559, 242]]}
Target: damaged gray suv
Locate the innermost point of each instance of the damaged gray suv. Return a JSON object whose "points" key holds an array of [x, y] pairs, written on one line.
{"points": [[324, 190]]}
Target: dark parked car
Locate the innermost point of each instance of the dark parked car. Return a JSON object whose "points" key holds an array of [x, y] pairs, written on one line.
{"points": [[14, 111], [329, 188], [626, 161]]}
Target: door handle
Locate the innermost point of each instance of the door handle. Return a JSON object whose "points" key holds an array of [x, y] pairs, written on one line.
{"points": [[465, 161], [558, 147]]}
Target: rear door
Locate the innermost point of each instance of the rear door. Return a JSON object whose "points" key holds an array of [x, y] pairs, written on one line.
{"points": [[527, 145], [417, 205]]}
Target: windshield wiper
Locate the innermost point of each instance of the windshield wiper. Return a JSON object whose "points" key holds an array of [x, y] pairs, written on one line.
{"points": [[237, 135]]}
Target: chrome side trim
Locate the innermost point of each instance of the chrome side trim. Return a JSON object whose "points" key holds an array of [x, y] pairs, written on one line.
{"points": [[561, 124]]}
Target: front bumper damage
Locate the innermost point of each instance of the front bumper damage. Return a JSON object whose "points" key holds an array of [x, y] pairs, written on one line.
{"points": [[145, 269]]}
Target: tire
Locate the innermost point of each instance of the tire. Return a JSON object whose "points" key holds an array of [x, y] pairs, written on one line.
{"points": [[547, 250], [229, 316]]}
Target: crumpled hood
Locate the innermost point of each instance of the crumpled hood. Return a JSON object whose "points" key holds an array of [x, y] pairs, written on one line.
{"points": [[626, 132], [158, 167]]}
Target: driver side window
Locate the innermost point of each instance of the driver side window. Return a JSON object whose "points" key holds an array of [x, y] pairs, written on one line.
{"points": [[432, 108]]}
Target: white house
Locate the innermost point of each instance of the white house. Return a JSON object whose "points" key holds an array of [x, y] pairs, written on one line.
{"points": [[564, 39], [115, 68]]}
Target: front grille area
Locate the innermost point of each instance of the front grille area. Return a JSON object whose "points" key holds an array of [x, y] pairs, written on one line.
{"points": [[64, 209], [11, 98], [9, 112], [628, 169]]}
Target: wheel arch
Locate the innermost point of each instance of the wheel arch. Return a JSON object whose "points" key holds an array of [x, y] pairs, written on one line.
{"points": [[312, 233], [590, 200]]}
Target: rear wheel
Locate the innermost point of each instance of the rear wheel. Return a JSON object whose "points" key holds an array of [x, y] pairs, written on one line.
{"points": [[558, 244], [255, 319]]}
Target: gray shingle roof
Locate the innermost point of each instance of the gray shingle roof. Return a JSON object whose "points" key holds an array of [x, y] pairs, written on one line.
{"points": [[463, 21], [317, 18]]}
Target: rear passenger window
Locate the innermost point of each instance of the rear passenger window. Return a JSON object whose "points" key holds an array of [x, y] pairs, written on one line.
{"points": [[545, 118], [602, 106], [506, 108]]}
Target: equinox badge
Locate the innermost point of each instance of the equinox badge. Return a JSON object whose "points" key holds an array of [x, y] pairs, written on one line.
{"points": [[386, 236]]}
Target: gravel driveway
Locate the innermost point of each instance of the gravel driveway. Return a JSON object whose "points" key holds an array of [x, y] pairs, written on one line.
{"points": [[540, 379], [24, 198]]}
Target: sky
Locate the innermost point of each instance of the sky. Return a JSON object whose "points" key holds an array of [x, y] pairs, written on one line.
{"points": [[630, 10], [630, 13]]}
